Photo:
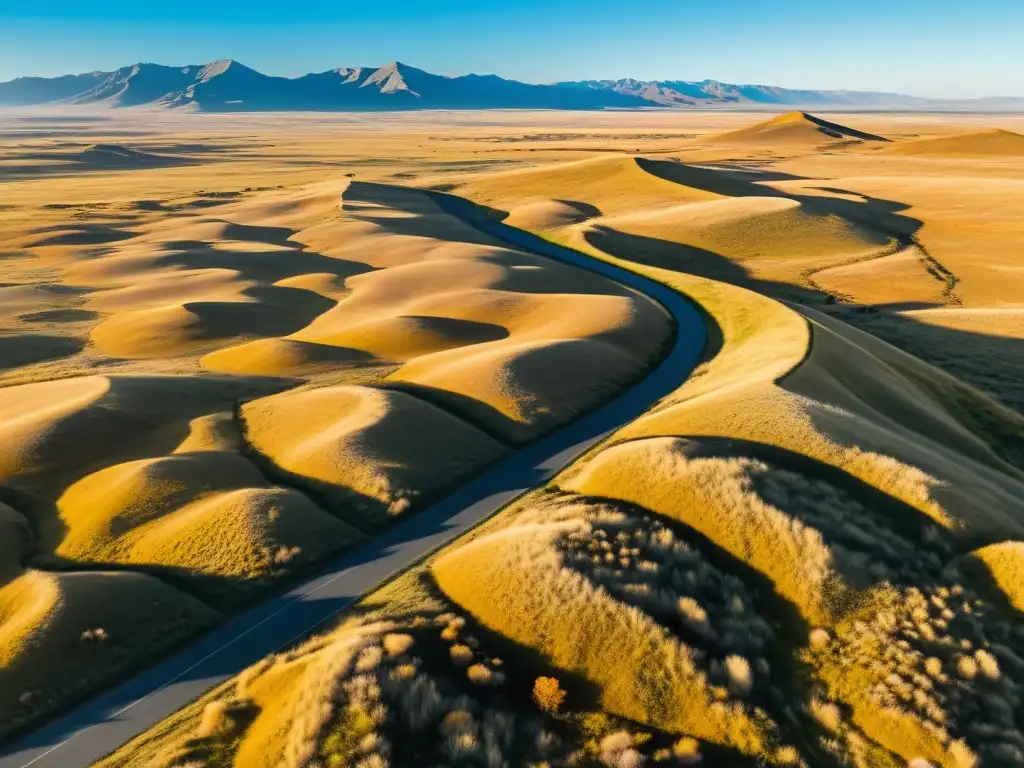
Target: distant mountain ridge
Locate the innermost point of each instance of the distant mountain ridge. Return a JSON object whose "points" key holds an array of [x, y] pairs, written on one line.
{"points": [[227, 86]]}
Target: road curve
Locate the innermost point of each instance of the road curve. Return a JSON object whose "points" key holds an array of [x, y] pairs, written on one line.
{"points": [[101, 725]]}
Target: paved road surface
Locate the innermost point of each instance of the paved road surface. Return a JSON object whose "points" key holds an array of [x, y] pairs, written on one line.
{"points": [[101, 725]]}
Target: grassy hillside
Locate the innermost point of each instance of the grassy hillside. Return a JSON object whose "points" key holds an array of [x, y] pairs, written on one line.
{"points": [[803, 556], [204, 397]]}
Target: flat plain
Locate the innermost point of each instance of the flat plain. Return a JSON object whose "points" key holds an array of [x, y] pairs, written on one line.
{"points": [[232, 346]]}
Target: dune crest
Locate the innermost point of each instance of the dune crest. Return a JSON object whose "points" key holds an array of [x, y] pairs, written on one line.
{"points": [[994, 143], [795, 128]]}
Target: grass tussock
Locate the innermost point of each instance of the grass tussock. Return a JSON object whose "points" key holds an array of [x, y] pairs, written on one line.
{"points": [[643, 670]]}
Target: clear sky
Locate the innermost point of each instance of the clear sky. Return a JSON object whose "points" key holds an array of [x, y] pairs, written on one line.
{"points": [[956, 48]]}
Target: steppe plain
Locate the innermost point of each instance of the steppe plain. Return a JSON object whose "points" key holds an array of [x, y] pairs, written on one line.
{"points": [[231, 346]]}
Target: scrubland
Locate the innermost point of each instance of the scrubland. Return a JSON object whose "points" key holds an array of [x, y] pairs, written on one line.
{"points": [[809, 554]]}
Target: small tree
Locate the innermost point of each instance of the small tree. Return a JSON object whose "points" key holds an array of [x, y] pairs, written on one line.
{"points": [[548, 694]]}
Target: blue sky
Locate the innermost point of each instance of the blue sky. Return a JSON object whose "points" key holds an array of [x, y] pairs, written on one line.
{"points": [[960, 48]]}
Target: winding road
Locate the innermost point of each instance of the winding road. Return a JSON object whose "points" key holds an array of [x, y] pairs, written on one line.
{"points": [[101, 725]]}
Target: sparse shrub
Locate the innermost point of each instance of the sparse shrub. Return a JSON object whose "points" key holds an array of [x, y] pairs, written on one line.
{"points": [[987, 664], [787, 756], [548, 694], [458, 721], [369, 658], [95, 635], [741, 678], [687, 751], [373, 761], [403, 672], [694, 616], [967, 667], [462, 655], [819, 638], [397, 644], [617, 751], [481, 674]]}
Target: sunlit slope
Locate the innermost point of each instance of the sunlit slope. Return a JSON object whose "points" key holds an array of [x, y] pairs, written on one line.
{"points": [[793, 129], [830, 475], [375, 451], [566, 193], [223, 390], [484, 330], [729, 224], [840, 470], [61, 634], [210, 513], [992, 143], [909, 241]]}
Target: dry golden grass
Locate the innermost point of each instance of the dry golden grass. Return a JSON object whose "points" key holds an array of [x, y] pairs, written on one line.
{"points": [[158, 295], [994, 142], [373, 450], [50, 650], [765, 566]]}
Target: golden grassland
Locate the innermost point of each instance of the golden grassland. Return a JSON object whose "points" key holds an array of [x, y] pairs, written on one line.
{"points": [[218, 368], [809, 554]]}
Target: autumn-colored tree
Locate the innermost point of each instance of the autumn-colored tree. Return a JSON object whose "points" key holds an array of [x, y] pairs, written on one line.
{"points": [[548, 694]]}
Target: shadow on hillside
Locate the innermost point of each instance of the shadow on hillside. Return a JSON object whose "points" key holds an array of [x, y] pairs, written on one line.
{"points": [[875, 542], [991, 364]]}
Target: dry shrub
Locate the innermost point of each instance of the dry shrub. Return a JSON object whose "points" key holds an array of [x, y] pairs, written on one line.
{"points": [[462, 655], [819, 638], [644, 672], [987, 664], [480, 674], [213, 719], [741, 678], [687, 751], [962, 755], [397, 644], [315, 705], [717, 497], [548, 694]]}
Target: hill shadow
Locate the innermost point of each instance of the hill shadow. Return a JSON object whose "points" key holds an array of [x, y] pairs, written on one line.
{"points": [[991, 364]]}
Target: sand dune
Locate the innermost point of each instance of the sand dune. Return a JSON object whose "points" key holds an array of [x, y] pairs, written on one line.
{"points": [[287, 357], [201, 325], [604, 186], [49, 647], [60, 430], [996, 143], [794, 128], [770, 236], [900, 277], [372, 451], [547, 214], [210, 514]]}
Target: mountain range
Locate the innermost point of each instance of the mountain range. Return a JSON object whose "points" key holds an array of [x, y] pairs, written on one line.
{"points": [[228, 86]]}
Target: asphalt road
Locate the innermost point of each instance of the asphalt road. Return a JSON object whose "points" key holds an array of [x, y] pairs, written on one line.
{"points": [[101, 725]]}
